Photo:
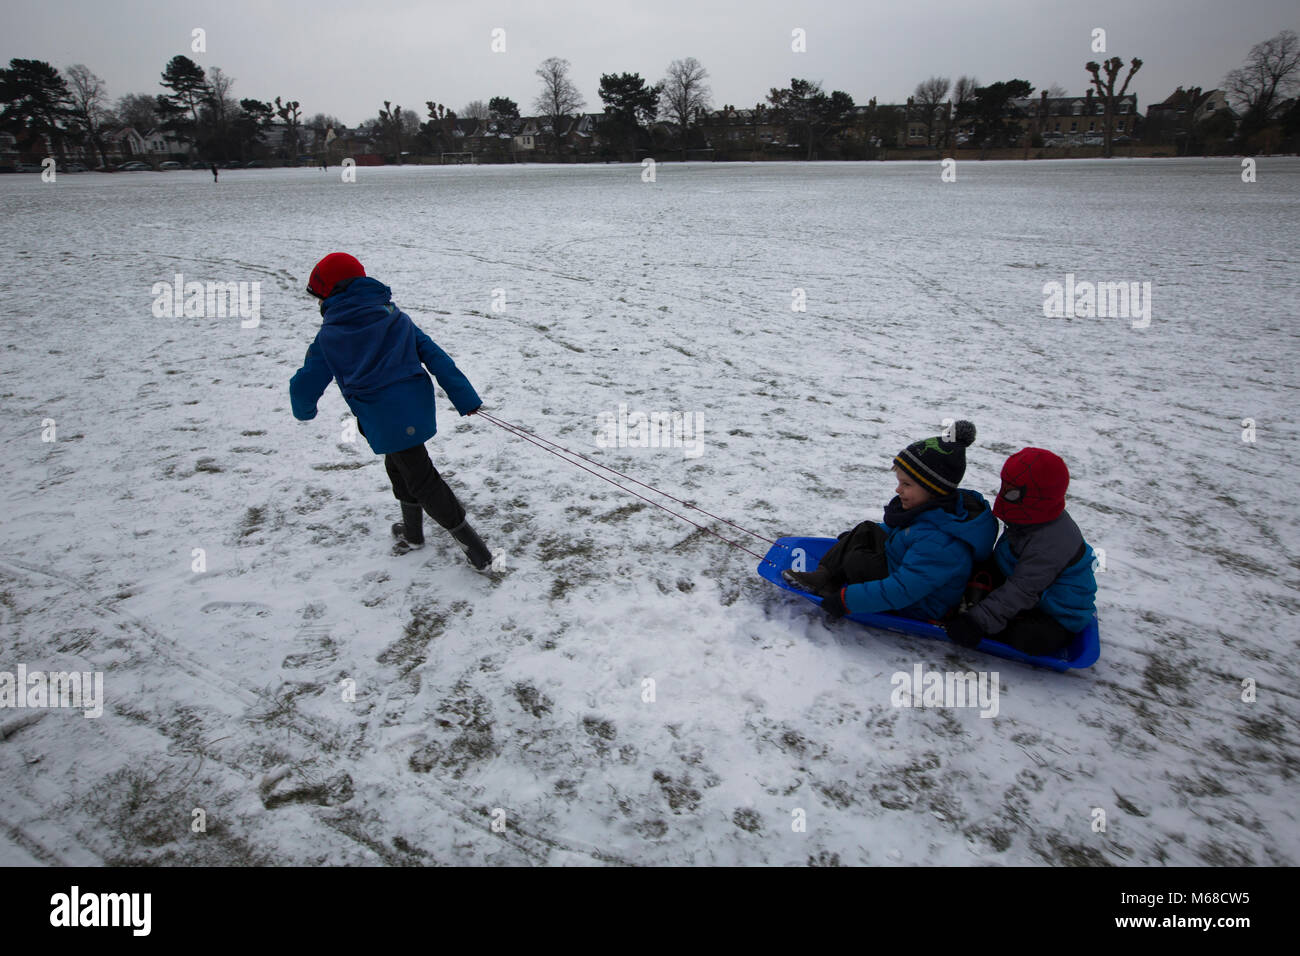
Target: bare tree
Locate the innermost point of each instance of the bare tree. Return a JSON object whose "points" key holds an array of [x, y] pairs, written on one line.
{"points": [[475, 109], [322, 121], [685, 94], [321, 124], [219, 102], [410, 121], [290, 112], [390, 120], [929, 97], [137, 110], [89, 113], [559, 97], [1056, 91], [963, 101], [1271, 72], [1106, 92]]}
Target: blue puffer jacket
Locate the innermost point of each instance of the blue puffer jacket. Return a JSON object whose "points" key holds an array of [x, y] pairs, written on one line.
{"points": [[1071, 598], [929, 561], [378, 357]]}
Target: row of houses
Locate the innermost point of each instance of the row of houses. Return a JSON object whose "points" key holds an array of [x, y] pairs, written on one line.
{"points": [[1075, 119], [121, 145], [1050, 120], [502, 136]]}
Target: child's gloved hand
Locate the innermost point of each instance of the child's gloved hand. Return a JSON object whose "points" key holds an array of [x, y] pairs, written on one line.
{"points": [[965, 631], [833, 605]]}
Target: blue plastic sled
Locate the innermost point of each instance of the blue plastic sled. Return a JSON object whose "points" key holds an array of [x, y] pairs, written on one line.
{"points": [[1082, 652]]}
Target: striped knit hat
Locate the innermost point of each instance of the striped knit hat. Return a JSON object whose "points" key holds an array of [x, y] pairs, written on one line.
{"points": [[937, 464]]}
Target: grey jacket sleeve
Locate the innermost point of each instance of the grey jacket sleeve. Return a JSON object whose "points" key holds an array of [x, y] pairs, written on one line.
{"points": [[1044, 554]]}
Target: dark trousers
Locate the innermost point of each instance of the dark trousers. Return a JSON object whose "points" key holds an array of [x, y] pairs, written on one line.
{"points": [[1034, 631], [858, 555], [416, 481]]}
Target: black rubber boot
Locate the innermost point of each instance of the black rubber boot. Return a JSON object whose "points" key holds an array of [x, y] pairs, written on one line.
{"points": [[812, 581], [475, 549], [409, 532]]}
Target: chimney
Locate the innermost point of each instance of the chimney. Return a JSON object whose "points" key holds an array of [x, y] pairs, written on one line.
{"points": [[1090, 96], [1044, 96]]}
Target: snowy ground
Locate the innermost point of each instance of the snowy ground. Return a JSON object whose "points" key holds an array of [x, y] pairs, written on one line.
{"points": [[524, 692]]}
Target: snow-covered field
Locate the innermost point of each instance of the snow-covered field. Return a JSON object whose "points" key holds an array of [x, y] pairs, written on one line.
{"points": [[521, 698]]}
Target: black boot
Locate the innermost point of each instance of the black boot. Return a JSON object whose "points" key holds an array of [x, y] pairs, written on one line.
{"points": [[409, 532], [812, 581], [475, 549]]}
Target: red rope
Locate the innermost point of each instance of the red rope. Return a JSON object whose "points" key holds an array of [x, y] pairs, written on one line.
{"points": [[542, 443]]}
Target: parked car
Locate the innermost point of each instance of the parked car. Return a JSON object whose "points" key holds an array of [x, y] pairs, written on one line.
{"points": [[254, 164], [200, 165], [232, 164], [27, 168], [72, 168], [134, 167], [170, 165]]}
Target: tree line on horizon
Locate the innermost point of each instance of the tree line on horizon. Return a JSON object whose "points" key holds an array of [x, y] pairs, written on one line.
{"points": [[197, 109]]}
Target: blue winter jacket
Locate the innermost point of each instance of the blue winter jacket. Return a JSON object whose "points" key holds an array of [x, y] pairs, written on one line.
{"points": [[929, 561], [1071, 598], [378, 357]]}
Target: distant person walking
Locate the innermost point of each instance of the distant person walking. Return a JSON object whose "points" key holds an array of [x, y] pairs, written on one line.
{"points": [[214, 172]]}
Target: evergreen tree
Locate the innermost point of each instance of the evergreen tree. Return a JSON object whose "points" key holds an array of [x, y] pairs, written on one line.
{"points": [[503, 107], [37, 103], [179, 109], [630, 105]]}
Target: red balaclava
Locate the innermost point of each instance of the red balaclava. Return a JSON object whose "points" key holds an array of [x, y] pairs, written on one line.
{"points": [[1033, 487], [330, 271]]}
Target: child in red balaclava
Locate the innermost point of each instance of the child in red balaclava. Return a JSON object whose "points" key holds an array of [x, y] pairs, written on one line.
{"points": [[1045, 591]]}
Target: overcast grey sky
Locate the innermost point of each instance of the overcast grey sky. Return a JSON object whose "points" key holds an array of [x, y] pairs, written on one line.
{"points": [[346, 57]]}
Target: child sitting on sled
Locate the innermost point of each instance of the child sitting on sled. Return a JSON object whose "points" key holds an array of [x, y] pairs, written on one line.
{"points": [[918, 560], [1043, 590], [379, 356]]}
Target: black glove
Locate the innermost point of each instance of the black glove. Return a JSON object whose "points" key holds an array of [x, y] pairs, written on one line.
{"points": [[964, 630], [833, 605]]}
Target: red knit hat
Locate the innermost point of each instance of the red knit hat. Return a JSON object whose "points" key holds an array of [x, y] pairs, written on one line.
{"points": [[1033, 487], [332, 270]]}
